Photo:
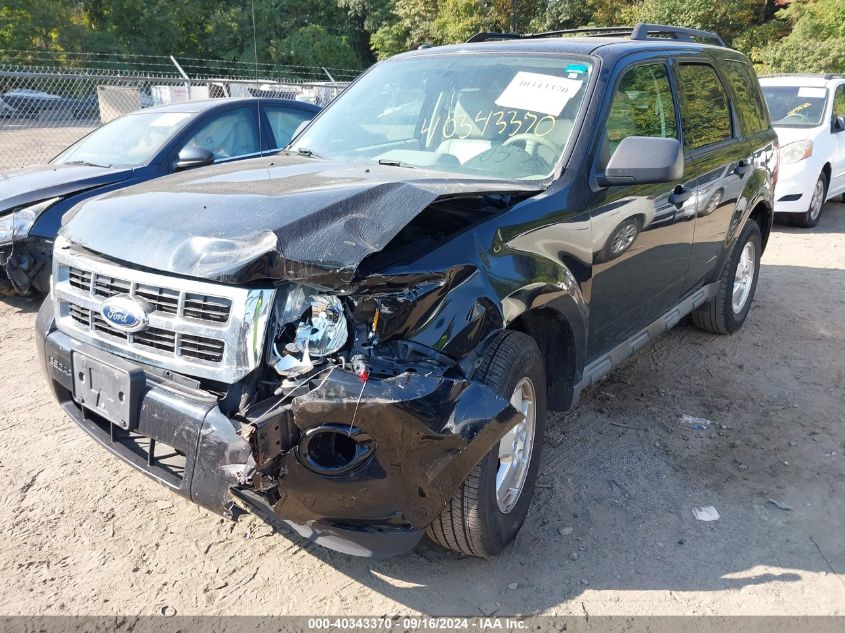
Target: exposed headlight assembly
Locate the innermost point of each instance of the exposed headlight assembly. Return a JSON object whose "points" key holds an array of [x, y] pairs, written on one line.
{"points": [[17, 224], [796, 152], [310, 326]]}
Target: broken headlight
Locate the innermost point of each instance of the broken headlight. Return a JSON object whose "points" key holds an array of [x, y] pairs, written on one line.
{"points": [[16, 225], [309, 326]]}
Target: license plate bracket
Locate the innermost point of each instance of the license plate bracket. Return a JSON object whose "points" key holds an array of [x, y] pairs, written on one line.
{"points": [[108, 388]]}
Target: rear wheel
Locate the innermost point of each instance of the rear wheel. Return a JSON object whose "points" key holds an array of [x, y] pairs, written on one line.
{"points": [[811, 217], [491, 504], [726, 313]]}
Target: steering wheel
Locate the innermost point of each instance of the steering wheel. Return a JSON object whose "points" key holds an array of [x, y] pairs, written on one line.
{"points": [[532, 142]]}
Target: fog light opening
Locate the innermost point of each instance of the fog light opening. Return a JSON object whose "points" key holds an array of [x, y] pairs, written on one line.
{"points": [[331, 450]]}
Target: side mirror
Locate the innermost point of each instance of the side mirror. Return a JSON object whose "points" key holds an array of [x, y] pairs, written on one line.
{"points": [[838, 124], [194, 156], [641, 160]]}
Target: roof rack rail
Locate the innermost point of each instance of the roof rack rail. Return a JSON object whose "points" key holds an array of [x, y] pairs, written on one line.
{"points": [[642, 31], [638, 32], [493, 37], [590, 31]]}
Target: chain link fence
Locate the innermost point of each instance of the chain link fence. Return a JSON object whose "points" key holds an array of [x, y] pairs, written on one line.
{"points": [[44, 109]]}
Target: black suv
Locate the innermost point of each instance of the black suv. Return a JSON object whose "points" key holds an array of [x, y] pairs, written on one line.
{"points": [[361, 336]]}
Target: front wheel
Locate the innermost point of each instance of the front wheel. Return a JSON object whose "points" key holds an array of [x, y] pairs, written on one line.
{"points": [[490, 506], [726, 313], [814, 212]]}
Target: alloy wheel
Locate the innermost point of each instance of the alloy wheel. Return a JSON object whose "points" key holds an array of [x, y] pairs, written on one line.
{"points": [[744, 277], [515, 448]]}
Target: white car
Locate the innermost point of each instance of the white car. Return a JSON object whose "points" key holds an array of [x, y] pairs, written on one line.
{"points": [[808, 114]]}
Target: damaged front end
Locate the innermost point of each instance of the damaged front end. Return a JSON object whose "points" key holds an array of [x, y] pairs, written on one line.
{"points": [[362, 441], [355, 442], [357, 416], [24, 260]]}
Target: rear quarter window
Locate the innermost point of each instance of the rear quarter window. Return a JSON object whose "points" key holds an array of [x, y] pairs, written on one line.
{"points": [[750, 106]]}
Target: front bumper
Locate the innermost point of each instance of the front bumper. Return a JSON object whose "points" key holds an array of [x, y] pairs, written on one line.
{"points": [[427, 434], [795, 185]]}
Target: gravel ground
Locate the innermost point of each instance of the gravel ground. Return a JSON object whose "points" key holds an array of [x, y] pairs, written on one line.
{"points": [[28, 141], [611, 530]]}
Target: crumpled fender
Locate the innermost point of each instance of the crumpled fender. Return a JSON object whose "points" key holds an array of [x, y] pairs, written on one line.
{"points": [[428, 432]]}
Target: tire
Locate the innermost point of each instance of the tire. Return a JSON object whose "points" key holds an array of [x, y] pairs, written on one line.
{"points": [[721, 316], [473, 522], [811, 218]]}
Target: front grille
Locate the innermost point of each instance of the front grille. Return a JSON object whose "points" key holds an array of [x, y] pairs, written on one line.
{"points": [[80, 279], [195, 328], [156, 338], [189, 345], [80, 315], [163, 299], [206, 308], [202, 348], [110, 286], [167, 300]]}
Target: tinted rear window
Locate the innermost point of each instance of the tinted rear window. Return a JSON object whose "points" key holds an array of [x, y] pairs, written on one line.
{"points": [[749, 103], [704, 110]]}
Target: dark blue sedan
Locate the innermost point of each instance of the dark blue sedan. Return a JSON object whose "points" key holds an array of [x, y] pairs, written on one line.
{"points": [[134, 148]]}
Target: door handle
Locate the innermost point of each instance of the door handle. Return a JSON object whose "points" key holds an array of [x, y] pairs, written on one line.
{"points": [[742, 167], [680, 195]]}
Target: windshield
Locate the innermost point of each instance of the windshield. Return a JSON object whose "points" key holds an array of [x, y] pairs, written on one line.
{"points": [[129, 141], [492, 116], [796, 106]]}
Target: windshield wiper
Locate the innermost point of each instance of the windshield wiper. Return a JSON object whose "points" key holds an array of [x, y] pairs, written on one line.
{"points": [[304, 151], [85, 162], [395, 163]]}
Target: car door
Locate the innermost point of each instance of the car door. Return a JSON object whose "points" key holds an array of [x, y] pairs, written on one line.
{"points": [[717, 155], [283, 121], [837, 160], [641, 233], [228, 133]]}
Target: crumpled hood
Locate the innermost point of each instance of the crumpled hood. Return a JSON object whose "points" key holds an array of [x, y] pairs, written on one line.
{"points": [[33, 184], [282, 218]]}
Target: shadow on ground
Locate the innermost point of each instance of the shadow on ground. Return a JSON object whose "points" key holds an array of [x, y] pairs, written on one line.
{"points": [[23, 304]]}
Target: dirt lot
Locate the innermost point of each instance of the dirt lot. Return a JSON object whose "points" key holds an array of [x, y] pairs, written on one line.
{"points": [[28, 141], [611, 530]]}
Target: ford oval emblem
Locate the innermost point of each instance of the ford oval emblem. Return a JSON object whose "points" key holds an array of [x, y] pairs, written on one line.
{"points": [[124, 313]]}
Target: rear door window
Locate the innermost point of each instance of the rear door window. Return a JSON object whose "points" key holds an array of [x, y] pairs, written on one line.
{"points": [[642, 106], [284, 121], [750, 105], [705, 112]]}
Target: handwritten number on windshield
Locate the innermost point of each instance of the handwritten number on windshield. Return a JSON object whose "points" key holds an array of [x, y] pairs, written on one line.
{"points": [[461, 127]]}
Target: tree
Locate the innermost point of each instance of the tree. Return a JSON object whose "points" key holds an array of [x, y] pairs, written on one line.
{"points": [[725, 17], [572, 14], [34, 24], [412, 24], [313, 45], [804, 37]]}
